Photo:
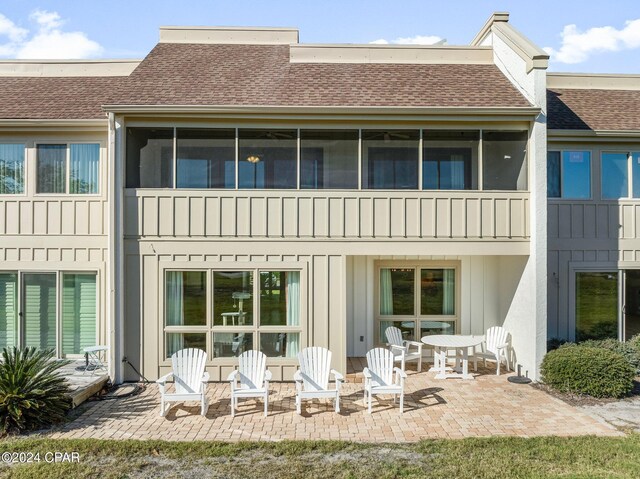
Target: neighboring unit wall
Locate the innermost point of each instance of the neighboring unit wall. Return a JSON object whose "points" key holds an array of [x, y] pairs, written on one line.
{"points": [[57, 232], [593, 234]]}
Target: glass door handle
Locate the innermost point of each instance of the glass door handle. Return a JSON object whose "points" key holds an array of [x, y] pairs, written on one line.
{"points": [[624, 309]]}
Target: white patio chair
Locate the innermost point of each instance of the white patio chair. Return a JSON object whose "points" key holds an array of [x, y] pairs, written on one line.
{"points": [[496, 347], [312, 379], [190, 380], [254, 379], [381, 377], [401, 348]]}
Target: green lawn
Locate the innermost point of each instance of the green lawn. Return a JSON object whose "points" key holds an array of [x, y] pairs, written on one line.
{"points": [[582, 457]]}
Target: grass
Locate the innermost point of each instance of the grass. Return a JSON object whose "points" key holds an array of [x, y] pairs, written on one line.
{"points": [[581, 457]]}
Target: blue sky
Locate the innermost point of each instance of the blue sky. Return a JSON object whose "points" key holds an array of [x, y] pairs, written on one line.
{"points": [[581, 35]]}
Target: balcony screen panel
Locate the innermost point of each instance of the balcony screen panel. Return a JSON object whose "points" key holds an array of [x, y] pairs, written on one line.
{"points": [[635, 172], [504, 160], [576, 174], [149, 158], [390, 159], [553, 174], [84, 168], [267, 159], [206, 158], [450, 160], [329, 159], [615, 176], [11, 169], [52, 169]]}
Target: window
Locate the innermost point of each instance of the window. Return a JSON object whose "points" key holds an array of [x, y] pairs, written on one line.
{"points": [[450, 160], [58, 310], [596, 305], [206, 158], [420, 300], [390, 159], [635, 173], [255, 309], [11, 169], [329, 159], [267, 159], [569, 174], [504, 160], [149, 158], [614, 175], [73, 168]]}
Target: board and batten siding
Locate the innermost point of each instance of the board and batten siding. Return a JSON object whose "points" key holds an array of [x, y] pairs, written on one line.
{"points": [[322, 300], [592, 234], [327, 214]]}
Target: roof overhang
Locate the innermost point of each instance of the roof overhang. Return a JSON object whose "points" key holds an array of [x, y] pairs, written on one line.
{"points": [[581, 135], [7, 124]]}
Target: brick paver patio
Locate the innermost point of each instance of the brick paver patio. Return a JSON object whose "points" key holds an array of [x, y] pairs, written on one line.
{"points": [[487, 406]]}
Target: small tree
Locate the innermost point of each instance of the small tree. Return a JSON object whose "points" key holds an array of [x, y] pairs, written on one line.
{"points": [[33, 393]]}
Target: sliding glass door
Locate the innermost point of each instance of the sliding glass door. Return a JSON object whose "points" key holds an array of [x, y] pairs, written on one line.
{"points": [[631, 309], [39, 310]]}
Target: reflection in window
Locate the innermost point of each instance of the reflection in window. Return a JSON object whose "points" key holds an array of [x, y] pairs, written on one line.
{"points": [[267, 159], [396, 291], [450, 160], [430, 328], [232, 298], [229, 345], [635, 173], [279, 298], [186, 298], [596, 305], [390, 159], [84, 168], [437, 292], [407, 329], [206, 158], [504, 159], [11, 169], [178, 341], [576, 174], [615, 183], [280, 345], [149, 157], [329, 159], [553, 174], [52, 169]]}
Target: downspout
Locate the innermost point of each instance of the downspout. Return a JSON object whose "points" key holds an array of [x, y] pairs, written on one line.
{"points": [[114, 369]]}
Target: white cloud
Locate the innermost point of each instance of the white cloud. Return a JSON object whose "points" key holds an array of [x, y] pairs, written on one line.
{"points": [[577, 46], [48, 41], [417, 40]]}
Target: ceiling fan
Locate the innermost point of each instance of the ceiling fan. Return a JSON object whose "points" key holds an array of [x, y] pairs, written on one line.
{"points": [[389, 135]]}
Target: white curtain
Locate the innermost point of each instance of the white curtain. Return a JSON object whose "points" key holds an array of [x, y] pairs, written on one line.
{"points": [[52, 169], [293, 311], [449, 291], [11, 169], [456, 172], [386, 292], [84, 168], [175, 309]]}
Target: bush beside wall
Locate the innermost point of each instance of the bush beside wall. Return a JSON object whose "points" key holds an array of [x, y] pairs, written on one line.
{"points": [[587, 370]]}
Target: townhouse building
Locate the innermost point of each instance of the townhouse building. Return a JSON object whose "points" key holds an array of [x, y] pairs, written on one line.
{"points": [[236, 189]]}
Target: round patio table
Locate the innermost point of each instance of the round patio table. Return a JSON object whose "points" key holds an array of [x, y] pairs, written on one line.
{"points": [[444, 342]]}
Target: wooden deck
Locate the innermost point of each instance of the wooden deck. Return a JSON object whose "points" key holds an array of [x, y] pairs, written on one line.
{"points": [[83, 384]]}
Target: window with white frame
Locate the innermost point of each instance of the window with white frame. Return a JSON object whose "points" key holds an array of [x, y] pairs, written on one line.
{"points": [[11, 168], [420, 300], [68, 168], [620, 175], [250, 309]]}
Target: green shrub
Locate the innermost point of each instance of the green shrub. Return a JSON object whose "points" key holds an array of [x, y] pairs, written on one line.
{"points": [[33, 394], [587, 370], [628, 349], [635, 342]]}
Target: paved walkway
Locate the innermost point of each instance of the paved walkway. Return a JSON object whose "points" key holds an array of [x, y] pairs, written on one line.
{"points": [[624, 414], [487, 406]]}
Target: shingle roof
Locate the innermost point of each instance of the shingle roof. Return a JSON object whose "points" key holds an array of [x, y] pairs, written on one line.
{"points": [[593, 109], [200, 74], [52, 98]]}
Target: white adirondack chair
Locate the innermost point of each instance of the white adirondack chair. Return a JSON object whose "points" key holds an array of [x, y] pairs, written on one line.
{"points": [[254, 379], [381, 377], [496, 347], [190, 380], [312, 379], [401, 348]]}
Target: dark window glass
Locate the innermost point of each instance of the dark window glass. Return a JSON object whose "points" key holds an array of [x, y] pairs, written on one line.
{"points": [[596, 305], [206, 158], [504, 160], [267, 159], [329, 159], [553, 174], [149, 158], [52, 169], [397, 291], [450, 160], [390, 159]]}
